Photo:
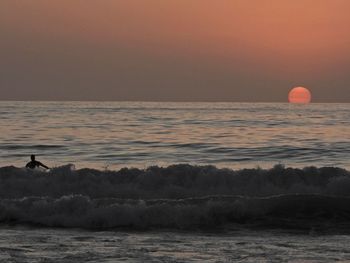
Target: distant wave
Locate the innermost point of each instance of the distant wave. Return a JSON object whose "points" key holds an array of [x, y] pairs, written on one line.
{"points": [[179, 196]]}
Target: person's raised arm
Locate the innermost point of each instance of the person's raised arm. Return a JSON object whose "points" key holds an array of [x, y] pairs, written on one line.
{"points": [[43, 165]]}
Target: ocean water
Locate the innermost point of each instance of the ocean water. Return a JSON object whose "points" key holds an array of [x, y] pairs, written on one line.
{"points": [[61, 245], [113, 135], [175, 182]]}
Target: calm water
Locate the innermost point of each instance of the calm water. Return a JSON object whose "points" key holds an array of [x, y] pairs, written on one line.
{"points": [[117, 134]]}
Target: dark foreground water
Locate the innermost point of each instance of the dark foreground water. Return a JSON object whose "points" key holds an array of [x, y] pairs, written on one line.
{"points": [[59, 245]]}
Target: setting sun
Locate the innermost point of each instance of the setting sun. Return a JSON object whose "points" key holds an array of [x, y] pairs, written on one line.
{"points": [[299, 95]]}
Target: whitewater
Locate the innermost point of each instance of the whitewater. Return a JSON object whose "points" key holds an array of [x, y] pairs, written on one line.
{"points": [[178, 197], [175, 182]]}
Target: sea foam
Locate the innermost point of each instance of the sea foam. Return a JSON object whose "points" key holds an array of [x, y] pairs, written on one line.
{"points": [[179, 196]]}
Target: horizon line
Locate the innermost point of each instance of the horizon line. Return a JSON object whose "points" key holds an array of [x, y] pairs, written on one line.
{"points": [[167, 101]]}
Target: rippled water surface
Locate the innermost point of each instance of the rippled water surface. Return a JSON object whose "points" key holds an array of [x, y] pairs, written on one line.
{"points": [[33, 245], [117, 134]]}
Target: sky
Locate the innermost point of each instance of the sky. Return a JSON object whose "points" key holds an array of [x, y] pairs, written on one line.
{"points": [[174, 50]]}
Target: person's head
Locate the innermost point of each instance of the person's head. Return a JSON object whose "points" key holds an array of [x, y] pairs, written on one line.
{"points": [[32, 157]]}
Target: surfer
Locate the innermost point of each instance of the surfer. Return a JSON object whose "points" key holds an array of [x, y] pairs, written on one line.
{"points": [[33, 163]]}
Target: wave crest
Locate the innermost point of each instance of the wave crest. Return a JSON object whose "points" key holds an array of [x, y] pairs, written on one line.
{"points": [[178, 196], [172, 182], [297, 211]]}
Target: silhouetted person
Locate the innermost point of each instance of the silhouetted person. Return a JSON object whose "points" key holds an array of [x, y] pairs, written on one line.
{"points": [[33, 163]]}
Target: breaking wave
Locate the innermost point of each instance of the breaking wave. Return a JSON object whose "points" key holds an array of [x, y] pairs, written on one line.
{"points": [[179, 196]]}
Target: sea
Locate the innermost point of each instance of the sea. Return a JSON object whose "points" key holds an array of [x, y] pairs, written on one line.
{"points": [[174, 182]]}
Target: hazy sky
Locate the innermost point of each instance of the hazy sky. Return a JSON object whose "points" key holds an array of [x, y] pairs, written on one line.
{"points": [[187, 50]]}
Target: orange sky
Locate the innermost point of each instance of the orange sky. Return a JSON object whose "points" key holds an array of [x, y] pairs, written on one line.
{"points": [[174, 50]]}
